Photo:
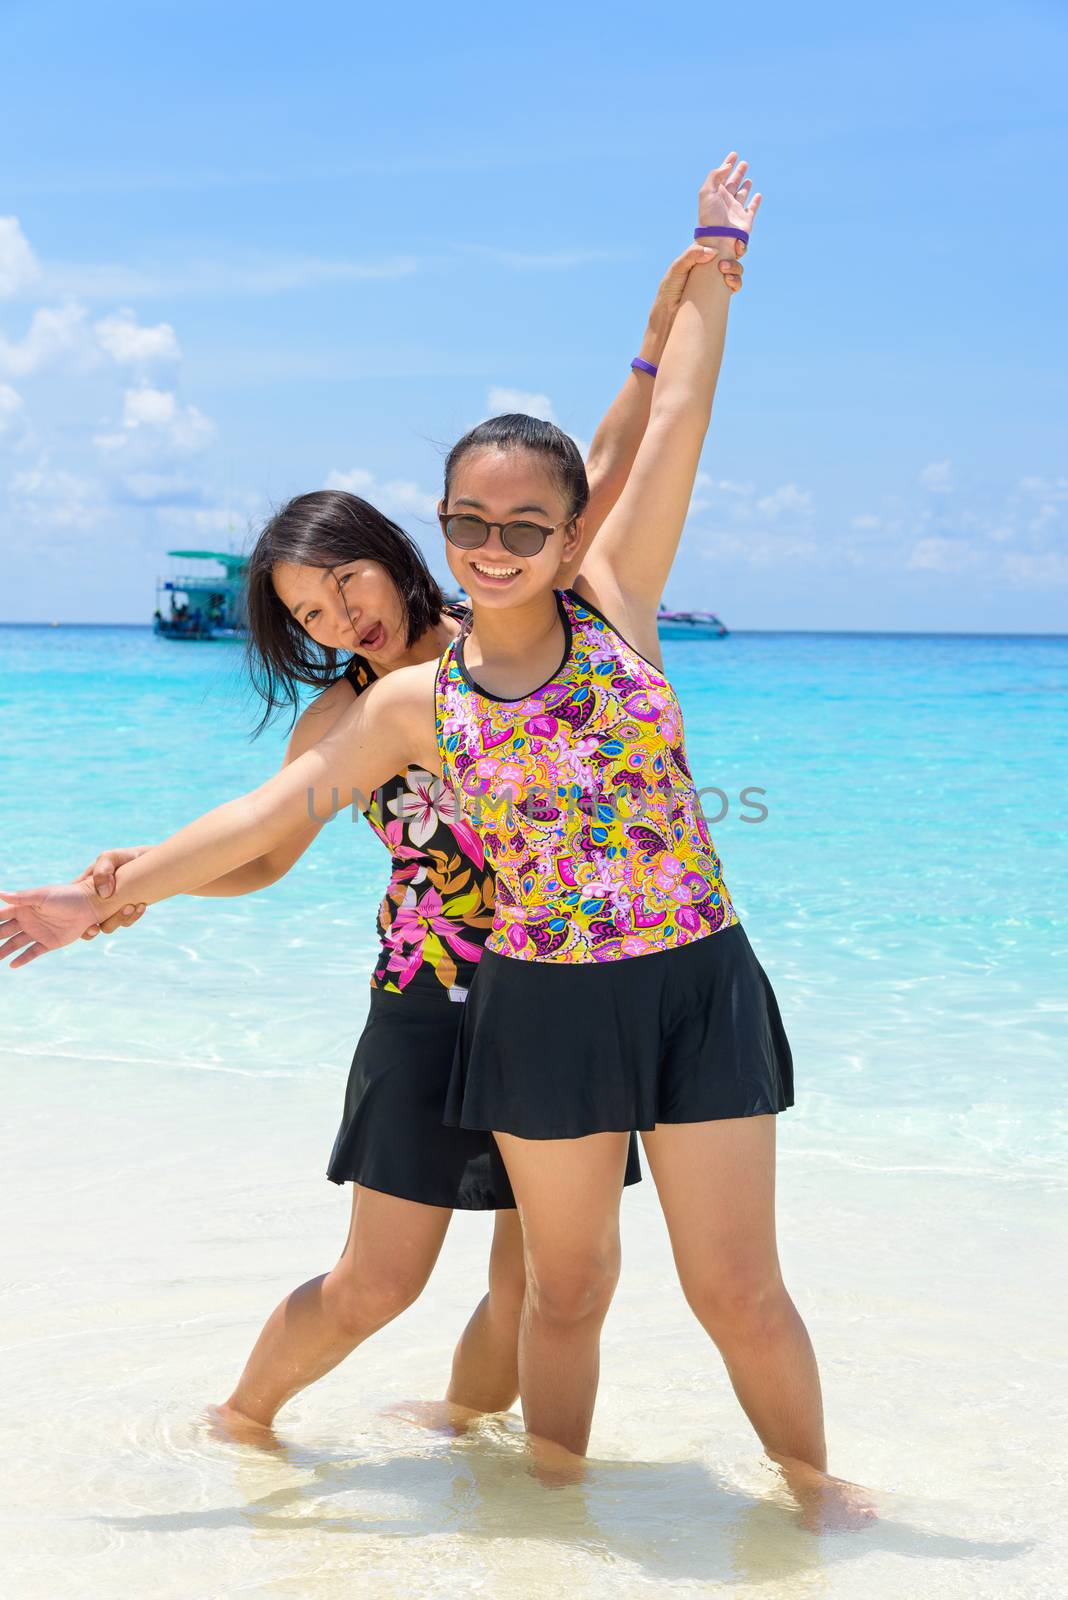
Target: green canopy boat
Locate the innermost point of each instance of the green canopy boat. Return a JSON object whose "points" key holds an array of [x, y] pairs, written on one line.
{"points": [[198, 603]]}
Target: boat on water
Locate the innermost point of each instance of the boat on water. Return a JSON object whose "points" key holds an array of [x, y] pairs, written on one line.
{"points": [[689, 624], [200, 602]]}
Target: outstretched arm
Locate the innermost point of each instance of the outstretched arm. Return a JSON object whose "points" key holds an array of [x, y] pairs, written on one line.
{"points": [[389, 726], [627, 568], [615, 444], [314, 722]]}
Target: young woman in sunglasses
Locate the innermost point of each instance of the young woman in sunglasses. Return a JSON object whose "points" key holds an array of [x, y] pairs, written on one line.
{"points": [[330, 577], [618, 989]]}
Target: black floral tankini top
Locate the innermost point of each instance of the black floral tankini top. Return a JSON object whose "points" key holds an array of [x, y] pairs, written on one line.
{"points": [[438, 908]]}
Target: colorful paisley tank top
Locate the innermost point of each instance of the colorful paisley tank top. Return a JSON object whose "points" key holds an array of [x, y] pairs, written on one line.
{"points": [[584, 801], [437, 911]]}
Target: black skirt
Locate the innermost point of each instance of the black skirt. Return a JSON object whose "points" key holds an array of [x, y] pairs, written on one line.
{"points": [[554, 1051], [392, 1137]]}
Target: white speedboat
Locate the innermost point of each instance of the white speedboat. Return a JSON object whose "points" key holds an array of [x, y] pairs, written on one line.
{"points": [[689, 624]]}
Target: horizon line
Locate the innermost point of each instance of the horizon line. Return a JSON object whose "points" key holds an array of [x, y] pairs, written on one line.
{"points": [[836, 633]]}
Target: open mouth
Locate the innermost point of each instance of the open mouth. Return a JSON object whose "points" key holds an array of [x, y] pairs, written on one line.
{"points": [[373, 638], [497, 575]]}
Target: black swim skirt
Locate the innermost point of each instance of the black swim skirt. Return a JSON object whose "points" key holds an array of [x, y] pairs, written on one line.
{"points": [[554, 1051], [392, 1137]]}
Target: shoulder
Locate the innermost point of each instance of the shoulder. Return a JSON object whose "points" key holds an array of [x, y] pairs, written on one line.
{"points": [[320, 716], [405, 700], [632, 618]]}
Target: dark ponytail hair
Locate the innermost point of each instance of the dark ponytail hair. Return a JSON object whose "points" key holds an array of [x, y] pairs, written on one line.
{"points": [[324, 529], [514, 431]]}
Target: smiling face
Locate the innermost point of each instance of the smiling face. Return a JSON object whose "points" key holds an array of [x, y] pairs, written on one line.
{"points": [[353, 607], [509, 486]]}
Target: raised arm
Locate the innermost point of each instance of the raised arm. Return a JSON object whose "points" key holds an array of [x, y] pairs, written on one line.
{"points": [[615, 444], [390, 725], [625, 571]]}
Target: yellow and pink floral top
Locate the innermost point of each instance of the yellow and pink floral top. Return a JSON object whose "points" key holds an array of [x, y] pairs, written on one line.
{"points": [[584, 802]]}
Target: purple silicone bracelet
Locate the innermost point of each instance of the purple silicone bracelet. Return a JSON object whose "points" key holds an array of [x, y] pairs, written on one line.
{"points": [[643, 366], [721, 233]]}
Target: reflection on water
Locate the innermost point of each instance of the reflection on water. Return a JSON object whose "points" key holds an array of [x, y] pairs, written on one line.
{"points": [[658, 1521]]}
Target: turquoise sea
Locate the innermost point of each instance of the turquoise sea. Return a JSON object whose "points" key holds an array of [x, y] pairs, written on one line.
{"points": [[173, 1094]]}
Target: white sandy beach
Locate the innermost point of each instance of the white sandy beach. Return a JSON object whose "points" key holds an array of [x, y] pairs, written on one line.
{"points": [[141, 1262]]}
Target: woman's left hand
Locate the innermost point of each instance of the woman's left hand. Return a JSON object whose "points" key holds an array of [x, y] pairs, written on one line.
{"points": [[669, 295], [34, 921]]}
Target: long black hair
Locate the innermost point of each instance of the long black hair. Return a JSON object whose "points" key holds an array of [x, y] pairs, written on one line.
{"points": [[323, 529], [514, 431]]}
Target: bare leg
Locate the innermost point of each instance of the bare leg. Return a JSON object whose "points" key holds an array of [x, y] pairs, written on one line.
{"points": [[716, 1182], [485, 1367], [568, 1193], [389, 1255]]}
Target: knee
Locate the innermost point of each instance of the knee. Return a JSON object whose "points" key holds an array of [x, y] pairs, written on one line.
{"points": [[364, 1301], [578, 1288], [740, 1302]]}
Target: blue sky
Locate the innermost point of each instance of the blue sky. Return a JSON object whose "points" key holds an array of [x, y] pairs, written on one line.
{"points": [[248, 250]]}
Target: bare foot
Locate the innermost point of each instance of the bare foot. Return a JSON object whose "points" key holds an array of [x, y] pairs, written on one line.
{"points": [[553, 1464], [233, 1427], [439, 1416], [827, 1504]]}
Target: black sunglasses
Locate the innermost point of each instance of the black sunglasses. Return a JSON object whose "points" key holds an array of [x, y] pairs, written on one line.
{"points": [[468, 532]]}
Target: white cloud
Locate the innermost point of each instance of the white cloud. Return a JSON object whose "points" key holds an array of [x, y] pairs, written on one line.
{"points": [[397, 497], [357, 482], [1043, 517], [60, 336], [545, 260], [18, 264], [937, 476], [942, 555], [50, 496], [1038, 569], [403, 495], [112, 281], [1045, 488], [788, 498], [501, 400], [129, 344], [720, 495], [155, 488], [57, 334], [10, 405], [866, 523], [154, 423], [762, 550], [147, 407], [207, 520]]}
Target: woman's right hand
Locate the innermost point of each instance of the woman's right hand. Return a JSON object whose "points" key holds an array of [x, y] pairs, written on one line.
{"points": [[725, 200], [102, 874]]}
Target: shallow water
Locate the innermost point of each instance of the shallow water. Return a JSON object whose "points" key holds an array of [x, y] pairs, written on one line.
{"points": [[173, 1094]]}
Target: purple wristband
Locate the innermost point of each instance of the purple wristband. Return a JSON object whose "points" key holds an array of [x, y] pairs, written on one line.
{"points": [[721, 233], [643, 366]]}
